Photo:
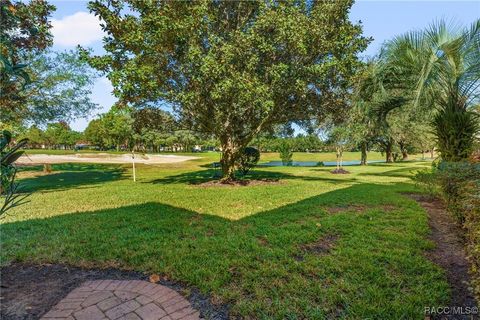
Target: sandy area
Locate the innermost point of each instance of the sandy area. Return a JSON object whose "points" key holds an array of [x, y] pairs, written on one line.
{"points": [[100, 158]]}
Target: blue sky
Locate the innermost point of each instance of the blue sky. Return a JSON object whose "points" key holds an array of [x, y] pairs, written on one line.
{"points": [[381, 20]]}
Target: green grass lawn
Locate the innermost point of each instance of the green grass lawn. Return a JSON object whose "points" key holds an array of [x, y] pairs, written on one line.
{"points": [[271, 251]]}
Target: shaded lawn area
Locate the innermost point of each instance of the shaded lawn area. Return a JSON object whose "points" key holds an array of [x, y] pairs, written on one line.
{"points": [[315, 245]]}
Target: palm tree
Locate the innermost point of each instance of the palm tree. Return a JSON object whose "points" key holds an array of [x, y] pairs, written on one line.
{"points": [[443, 63], [377, 93]]}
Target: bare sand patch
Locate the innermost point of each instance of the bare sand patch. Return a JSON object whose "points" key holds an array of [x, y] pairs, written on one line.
{"points": [[101, 158]]}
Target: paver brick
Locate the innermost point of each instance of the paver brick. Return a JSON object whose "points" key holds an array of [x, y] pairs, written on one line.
{"points": [[78, 294], [113, 285], [130, 316], [104, 284], [89, 313], [180, 314], [109, 303], [123, 284], [144, 299], [122, 300], [125, 295], [150, 312], [96, 297], [172, 301], [122, 309], [152, 290], [177, 306], [162, 297], [140, 286]]}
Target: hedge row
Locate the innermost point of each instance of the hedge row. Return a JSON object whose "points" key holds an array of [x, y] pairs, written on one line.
{"points": [[458, 183]]}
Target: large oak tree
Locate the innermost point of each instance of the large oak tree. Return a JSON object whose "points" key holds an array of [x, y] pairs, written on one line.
{"points": [[231, 68]]}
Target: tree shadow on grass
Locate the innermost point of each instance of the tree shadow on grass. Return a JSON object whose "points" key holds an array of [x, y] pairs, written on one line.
{"points": [[72, 175], [403, 172], [203, 176], [252, 259]]}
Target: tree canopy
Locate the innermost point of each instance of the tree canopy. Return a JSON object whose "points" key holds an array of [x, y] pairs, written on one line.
{"points": [[60, 89], [231, 68], [38, 85], [24, 29]]}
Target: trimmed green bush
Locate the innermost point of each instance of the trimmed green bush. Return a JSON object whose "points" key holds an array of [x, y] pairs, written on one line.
{"points": [[453, 178], [286, 153], [471, 206], [458, 183], [248, 159]]}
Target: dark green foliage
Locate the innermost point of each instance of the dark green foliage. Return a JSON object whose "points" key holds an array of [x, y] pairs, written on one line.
{"points": [[61, 88], [232, 69], [455, 129], [443, 62], [427, 180], [458, 183], [248, 159], [8, 187], [152, 119], [300, 143], [24, 29], [285, 151], [453, 176], [471, 206]]}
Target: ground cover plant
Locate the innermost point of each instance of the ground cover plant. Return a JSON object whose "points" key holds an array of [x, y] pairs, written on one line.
{"points": [[315, 245]]}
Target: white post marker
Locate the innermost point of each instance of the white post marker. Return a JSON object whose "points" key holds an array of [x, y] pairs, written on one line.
{"points": [[133, 166]]}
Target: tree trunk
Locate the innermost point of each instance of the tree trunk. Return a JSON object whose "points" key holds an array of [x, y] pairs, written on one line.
{"points": [[338, 157], [403, 149], [389, 152], [228, 161], [363, 160], [341, 158], [432, 153], [423, 154]]}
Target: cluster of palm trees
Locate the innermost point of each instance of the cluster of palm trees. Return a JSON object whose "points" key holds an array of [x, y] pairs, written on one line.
{"points": [[436, 69]]}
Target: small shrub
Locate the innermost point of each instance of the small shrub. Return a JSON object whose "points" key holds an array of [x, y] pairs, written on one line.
{"points": [[47, 168], [286, 154], [452, 177], [471, 207], [427, 180], [320, 164], [459, 185], [9, 189], [248, 159]]}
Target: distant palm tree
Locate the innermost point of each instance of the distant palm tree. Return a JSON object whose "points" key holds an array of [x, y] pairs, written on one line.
{"points": [[443, 64]]}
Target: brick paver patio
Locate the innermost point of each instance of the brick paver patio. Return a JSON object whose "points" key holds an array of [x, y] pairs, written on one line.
{"points": [[122, 300]]}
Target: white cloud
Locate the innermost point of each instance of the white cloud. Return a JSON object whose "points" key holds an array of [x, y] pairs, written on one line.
{"points": [[81, 28]]}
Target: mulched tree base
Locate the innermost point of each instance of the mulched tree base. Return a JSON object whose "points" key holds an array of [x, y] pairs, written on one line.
{"points": [[236, 183], [340, 171]]}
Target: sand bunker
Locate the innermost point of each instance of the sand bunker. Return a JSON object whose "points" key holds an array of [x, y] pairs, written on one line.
{"points": [[100, 158]]}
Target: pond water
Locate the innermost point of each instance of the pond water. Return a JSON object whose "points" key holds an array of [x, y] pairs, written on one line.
{"points": [[316, 163]]}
